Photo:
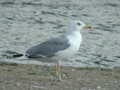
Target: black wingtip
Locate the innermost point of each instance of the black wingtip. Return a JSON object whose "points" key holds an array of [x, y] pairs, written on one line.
{"points": [[11, 54], [18, 55]]}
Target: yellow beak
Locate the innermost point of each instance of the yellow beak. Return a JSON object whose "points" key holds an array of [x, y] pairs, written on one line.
{"points": [[88, 27]]}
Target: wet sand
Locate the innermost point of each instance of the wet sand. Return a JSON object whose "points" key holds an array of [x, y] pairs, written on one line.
{"points": [[35, 77]]}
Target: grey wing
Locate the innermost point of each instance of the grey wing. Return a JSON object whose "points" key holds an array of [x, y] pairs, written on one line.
{"points": [[48, 48]]}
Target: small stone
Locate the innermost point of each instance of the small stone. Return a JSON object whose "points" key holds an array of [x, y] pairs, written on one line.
{"points": [[98, 87]]}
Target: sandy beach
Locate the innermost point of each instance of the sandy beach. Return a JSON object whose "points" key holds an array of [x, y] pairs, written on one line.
{"points": [[35, 77]]}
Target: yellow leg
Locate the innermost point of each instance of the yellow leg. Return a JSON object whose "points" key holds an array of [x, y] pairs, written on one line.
{"points": [[57, 70], [58, 73]]}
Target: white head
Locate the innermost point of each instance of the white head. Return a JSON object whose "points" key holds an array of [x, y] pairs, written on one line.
{"points": [[78, 25]]}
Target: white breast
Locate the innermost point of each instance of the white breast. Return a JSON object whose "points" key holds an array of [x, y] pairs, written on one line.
{"points": [[74, 41]]}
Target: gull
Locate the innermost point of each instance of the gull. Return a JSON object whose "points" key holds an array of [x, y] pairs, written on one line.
{"points": [[60, 48]]}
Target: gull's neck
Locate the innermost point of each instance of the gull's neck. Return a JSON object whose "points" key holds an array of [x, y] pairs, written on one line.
{"points": [[74, 37], [73, 31]]}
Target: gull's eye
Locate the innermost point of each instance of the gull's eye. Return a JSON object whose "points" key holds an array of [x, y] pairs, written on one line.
{"points": [[78, 23]]}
